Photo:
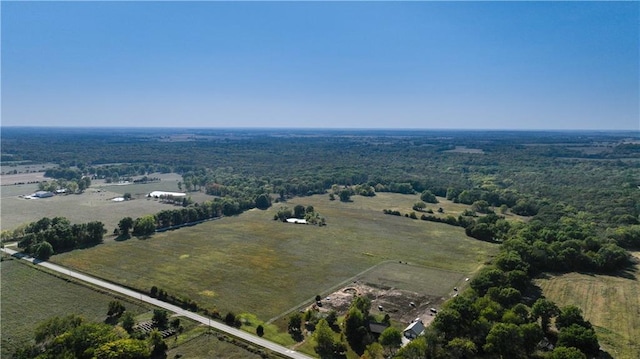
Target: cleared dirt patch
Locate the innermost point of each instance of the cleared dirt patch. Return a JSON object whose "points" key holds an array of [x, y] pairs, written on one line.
{"points": [[403, 291]]}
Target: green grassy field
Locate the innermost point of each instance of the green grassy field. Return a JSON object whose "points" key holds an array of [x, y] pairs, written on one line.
{"points": [[30, 296], [250, 263], [436, 282], [611, 304], [209, 346]]}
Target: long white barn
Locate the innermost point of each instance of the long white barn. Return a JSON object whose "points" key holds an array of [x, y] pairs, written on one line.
{"points": [[158, 194]]}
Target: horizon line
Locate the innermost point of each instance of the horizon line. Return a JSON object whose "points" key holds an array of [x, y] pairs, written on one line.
{"points": [[320, 128]]}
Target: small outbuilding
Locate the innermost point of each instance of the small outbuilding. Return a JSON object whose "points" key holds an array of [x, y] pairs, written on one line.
{"points": [[43, 194], [296, 220], [414, 329], [377, 328]]}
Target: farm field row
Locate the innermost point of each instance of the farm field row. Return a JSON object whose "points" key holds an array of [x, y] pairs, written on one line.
{"points": [[251, 263], [611, 304], [30, 296]]}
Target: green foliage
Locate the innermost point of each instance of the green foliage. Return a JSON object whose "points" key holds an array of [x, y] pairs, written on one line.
{"points": [[260, 330], [160, 319], [570, 315], [356, 331], [391, 338], [115, 308], [345, 195], [144, 226], [125, 225], [627, 237], [43, 250], [59, 235], [460, 348], [72, 337], [505, 340], [128, 322], [295, 326], [373, 351], [126, 348], [579, 337], [569, 230], [428, 196], [481, 206], [414, 350], [299, 211], [230, 319], [325, 344], [263, 201], [545, 310], [365, 190]]}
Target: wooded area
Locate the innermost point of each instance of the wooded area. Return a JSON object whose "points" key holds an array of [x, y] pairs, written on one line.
{"points": [[578, 191]]}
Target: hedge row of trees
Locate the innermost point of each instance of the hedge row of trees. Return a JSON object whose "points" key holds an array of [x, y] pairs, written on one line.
{"points": [[183, 302], [47, 236]]}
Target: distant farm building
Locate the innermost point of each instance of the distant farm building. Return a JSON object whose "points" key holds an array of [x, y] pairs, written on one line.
{"points": [[296, 220], [163, 194], [43, 194], [414, 329]]}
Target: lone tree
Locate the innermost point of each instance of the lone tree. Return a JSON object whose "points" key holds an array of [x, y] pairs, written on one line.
{"points": [[263, 201], [160, 319], [345, 195], [125, 225], [115, 308], [427, 196]]}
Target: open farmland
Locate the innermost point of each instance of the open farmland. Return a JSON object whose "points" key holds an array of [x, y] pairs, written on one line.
{"points": [[30, 296], [240, 263], [611, 304], [94, 204]]}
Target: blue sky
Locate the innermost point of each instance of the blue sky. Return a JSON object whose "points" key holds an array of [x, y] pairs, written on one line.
{"points": [[454, 65]]}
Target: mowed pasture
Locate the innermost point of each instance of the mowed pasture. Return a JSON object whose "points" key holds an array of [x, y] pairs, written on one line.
{"points": [[30, 296], [95, 204], [611, 304], [251, 263], [429, 280]]}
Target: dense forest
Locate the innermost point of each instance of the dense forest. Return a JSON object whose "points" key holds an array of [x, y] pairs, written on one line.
{"points": [[579, 191]]}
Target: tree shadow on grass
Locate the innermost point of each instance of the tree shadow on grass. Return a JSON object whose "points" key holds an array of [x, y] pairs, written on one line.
{"points": [[122, 237]]}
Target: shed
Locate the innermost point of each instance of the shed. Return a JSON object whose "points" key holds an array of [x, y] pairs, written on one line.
{"points": [[43, 194], [414, 329]]}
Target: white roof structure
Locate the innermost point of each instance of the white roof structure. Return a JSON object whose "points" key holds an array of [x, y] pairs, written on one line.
{"points": [[296, 220], [158, 194]]}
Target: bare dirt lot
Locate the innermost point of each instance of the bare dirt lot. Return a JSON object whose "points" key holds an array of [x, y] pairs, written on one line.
{"points": [[395, 302], [397, 289]]}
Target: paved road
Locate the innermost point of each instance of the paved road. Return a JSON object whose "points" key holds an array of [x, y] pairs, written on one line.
{"points": [[170, 307]]}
